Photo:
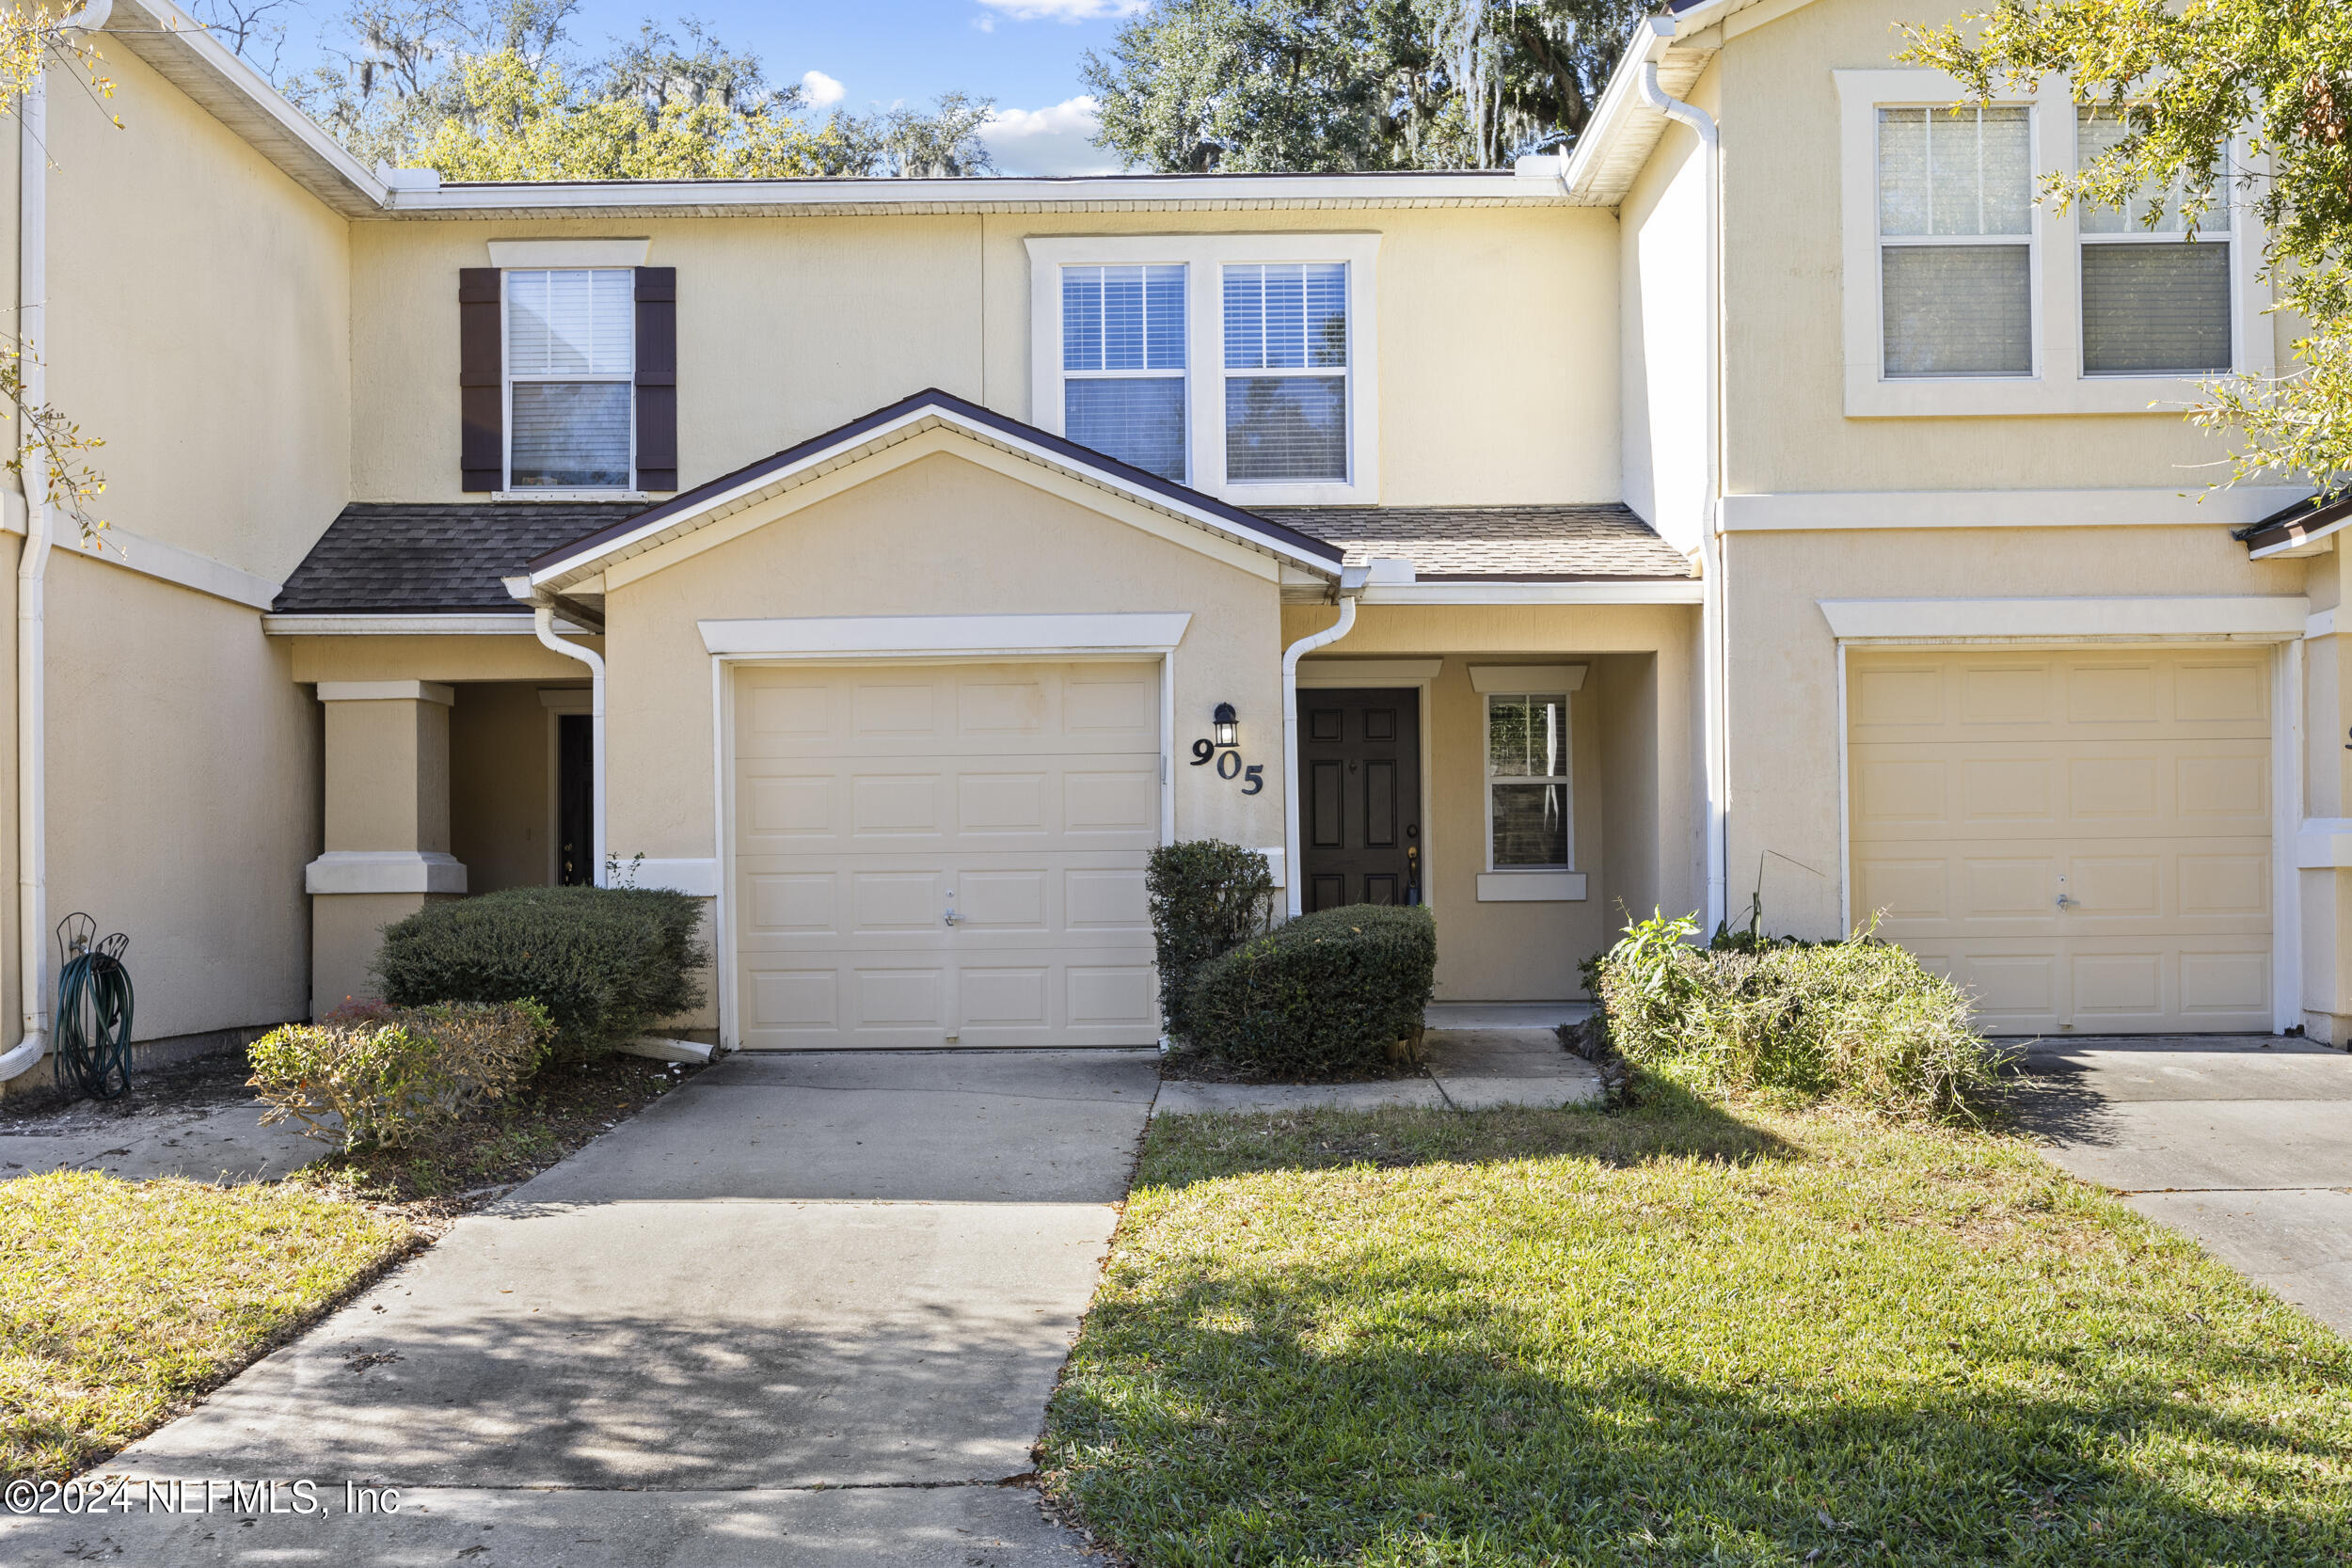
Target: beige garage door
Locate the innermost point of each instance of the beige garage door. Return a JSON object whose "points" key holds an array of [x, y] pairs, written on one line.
{"points": [[2081, 838], [945, 855]]}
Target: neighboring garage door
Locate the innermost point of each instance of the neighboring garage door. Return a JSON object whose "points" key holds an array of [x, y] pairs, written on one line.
{"points": [[1988, 785], [871, 804]]}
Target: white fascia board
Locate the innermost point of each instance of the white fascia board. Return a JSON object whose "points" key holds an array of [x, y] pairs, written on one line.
{"points": [[183, 568], [409, 626], [946, 636], [1642, 591], [1800, 512], [2274, 617], [183, 52], [1514, 678], [983, 193], [749, 491], [2313, 541]]}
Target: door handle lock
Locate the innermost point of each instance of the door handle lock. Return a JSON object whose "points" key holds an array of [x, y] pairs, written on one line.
{"points": [[952, 906], [2065, 902]]}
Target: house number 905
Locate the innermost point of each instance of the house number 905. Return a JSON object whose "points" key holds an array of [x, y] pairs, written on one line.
{"points": [[1230, 766]]}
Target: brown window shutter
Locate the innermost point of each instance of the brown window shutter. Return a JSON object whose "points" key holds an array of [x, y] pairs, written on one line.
{"points": [[482, 379], [657, 378]]}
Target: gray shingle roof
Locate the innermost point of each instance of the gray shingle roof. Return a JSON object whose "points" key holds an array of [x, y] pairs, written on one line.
{"points": [[385, 557], [418, 559], [1517, 543]]}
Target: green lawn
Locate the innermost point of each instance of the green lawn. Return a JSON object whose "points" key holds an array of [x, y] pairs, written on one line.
{"points": [[119, 1300], [1679, 1335]]}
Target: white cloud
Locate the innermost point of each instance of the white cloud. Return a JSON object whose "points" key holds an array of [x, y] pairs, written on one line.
{"points": [[1067, 10], [1055, 141], [821, 91], [985, 22]]}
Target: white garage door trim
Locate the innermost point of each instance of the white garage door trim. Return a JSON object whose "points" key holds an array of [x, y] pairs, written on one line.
{"points": [[2115, 623], [907, 639]]}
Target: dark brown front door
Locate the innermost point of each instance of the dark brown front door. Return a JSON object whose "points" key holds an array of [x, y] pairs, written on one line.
{"points": [[1359, 809]]}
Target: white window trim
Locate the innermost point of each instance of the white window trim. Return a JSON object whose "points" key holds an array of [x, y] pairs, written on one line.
{"points": [[507, 378], [1202, 256], [2058, 385], [1489, 778]]}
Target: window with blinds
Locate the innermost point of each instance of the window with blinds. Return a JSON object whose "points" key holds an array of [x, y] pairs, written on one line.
{"points": [[1955, 224], [2155, 299], [1286, 371], [570, 362], [1122, 360]]}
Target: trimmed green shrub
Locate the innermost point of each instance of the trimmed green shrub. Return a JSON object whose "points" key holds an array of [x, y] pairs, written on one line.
{"points": [[1856, 1019], [1329, 995], [386, 1075], [1207, 897], [605, 962]]}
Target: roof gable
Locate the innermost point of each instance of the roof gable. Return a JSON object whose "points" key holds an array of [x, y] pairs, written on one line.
{"points": [[571, 564]]}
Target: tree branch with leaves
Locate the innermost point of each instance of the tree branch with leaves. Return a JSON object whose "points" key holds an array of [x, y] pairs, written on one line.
{"points": [[52, 450]]}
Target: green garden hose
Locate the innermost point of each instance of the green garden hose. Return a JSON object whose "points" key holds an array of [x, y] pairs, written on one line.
{"points": [[91, 1048]]}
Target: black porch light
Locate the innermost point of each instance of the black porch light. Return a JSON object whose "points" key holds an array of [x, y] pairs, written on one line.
{"points": [[1227, 725]]}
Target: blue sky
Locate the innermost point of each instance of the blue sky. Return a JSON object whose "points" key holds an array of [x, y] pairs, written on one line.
{"points": [[1024, 54]]}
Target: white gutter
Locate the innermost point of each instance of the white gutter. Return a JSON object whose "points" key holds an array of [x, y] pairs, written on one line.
{"points": [[32, 566], [543, 623], [1350, 586], [1711, 608]]}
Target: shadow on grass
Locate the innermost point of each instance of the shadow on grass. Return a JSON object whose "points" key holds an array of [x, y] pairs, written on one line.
{"points": [[1416, 1416], [1666, 1122]]}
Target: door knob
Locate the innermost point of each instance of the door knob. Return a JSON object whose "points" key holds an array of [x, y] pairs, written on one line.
{"points": [[951, 906]]}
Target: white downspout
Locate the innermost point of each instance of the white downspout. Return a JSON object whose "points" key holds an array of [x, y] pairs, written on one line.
{"points": [[1712, 644], [543, 623], [32, 566], [1351, 583]]}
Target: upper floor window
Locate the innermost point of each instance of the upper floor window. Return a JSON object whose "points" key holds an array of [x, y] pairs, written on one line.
{"points": [[570, 365], [1241, 365], [1964, 295], [1956, 241], [1122, 360], [1286, 371], [2155, 302]]}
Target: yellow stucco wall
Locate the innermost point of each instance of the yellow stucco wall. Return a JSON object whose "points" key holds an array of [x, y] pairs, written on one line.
{"points": [[1788, 429], [183, 794], [199, 323], [1497, 328], [1783, 740]]}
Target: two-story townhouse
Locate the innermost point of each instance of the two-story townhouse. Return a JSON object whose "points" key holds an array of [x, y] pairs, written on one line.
{"points": [[1765, 497]]}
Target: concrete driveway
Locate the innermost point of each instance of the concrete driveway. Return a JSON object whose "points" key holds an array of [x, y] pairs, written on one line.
{"points": [[807, 1310], [2243, 1142]]}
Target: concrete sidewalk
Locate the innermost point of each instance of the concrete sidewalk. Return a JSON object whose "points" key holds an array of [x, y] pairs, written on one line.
{"points": [[808, 1310], [2243, 1142]]}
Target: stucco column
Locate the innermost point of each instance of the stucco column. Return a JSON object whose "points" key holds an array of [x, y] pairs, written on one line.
{"points": [[386, 826]]}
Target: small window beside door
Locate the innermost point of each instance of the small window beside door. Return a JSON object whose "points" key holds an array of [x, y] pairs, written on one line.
{"points": [[1529, 823]]}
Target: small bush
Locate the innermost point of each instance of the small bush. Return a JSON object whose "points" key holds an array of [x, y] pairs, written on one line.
{"points": [[605, 962], [1327, 995], [1207, 899], [1856, 1019], [389, 1075]]}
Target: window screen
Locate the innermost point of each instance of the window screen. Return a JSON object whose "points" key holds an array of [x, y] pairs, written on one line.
{"points": [[2155, 301], [570, 358], [1286, 371], [1123, 336], [1955, 203], [1527, 780]]}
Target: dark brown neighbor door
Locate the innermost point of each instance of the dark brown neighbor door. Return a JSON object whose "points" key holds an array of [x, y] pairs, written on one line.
{"points": [[575, 802], [1360, 803]]}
